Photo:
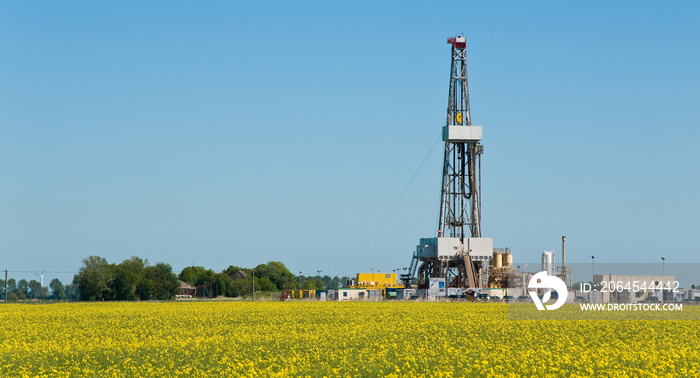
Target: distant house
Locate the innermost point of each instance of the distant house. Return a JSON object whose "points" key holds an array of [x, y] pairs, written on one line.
{"points": [[186, 291], [239, 275]]}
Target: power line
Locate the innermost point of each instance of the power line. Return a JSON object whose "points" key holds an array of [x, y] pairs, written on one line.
{"points": [[39, 271], [391, 210]]}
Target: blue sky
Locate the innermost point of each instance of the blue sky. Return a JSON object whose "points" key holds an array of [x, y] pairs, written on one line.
{"points": [[234, 133]]}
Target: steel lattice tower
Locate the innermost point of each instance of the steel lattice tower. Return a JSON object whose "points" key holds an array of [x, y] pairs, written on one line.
{"points": [[460, 202], [457, 255]]}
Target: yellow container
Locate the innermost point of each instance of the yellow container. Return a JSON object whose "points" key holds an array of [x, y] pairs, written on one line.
{"points": [[376, 279]]}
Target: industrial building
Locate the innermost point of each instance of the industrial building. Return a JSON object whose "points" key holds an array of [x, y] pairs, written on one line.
{"points": [[357, 294], [376, 285]]}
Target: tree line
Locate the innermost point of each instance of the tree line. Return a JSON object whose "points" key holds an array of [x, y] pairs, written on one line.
{"points": [[235, 281], [136, 279], [23, 289]]}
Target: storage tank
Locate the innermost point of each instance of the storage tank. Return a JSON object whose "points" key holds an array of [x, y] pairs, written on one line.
{"points": [[499, 259], [509, 259], [548, 262]]}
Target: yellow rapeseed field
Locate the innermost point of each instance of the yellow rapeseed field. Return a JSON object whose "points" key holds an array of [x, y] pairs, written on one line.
{"points": [[316, 339]]}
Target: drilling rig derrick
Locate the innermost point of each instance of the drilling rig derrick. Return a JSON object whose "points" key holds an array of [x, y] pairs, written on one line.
{"points": [[458, 254]]}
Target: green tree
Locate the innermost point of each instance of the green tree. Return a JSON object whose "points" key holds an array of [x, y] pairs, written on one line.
{"points": [[57, 289], [197, 275], [23, 288], [145, 289], [204, 277], [43, 293], [71, 292], [222, 284], [165, 283], [124, 283], [278, 274], [313, 283], [11, 285], [242, 287], [189, 275], [93, 279], [34, 289], [264, 284], [134, 265], [327, 282], [336, 283], [125, 278]]}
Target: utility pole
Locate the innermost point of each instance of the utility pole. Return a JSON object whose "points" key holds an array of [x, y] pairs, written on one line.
{"points": [[253, 284], [663, 267], [5, 286]]}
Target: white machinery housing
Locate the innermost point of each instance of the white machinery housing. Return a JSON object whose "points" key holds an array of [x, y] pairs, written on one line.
{"points": [[445, 248], [461, 133]]}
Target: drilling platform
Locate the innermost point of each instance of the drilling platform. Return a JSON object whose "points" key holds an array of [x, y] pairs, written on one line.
{"points": [[458, 255]]}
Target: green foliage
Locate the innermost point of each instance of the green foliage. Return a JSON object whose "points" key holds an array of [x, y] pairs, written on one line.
{"points": [[278, 274], [71, 292], [11, 285], [337, 283], [221, 285], [134, 265], [126, 277], [145, 289], [164, 280], [157, 282], [57, 289], [124, 283], [264, 284], [197, 275], [242, 287], [321, 283], [93, 279], [313, 284], [23, 287], [132, 279], [28, 290], [327, 283], [35, 290], [189, 274], [135, 279]]}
